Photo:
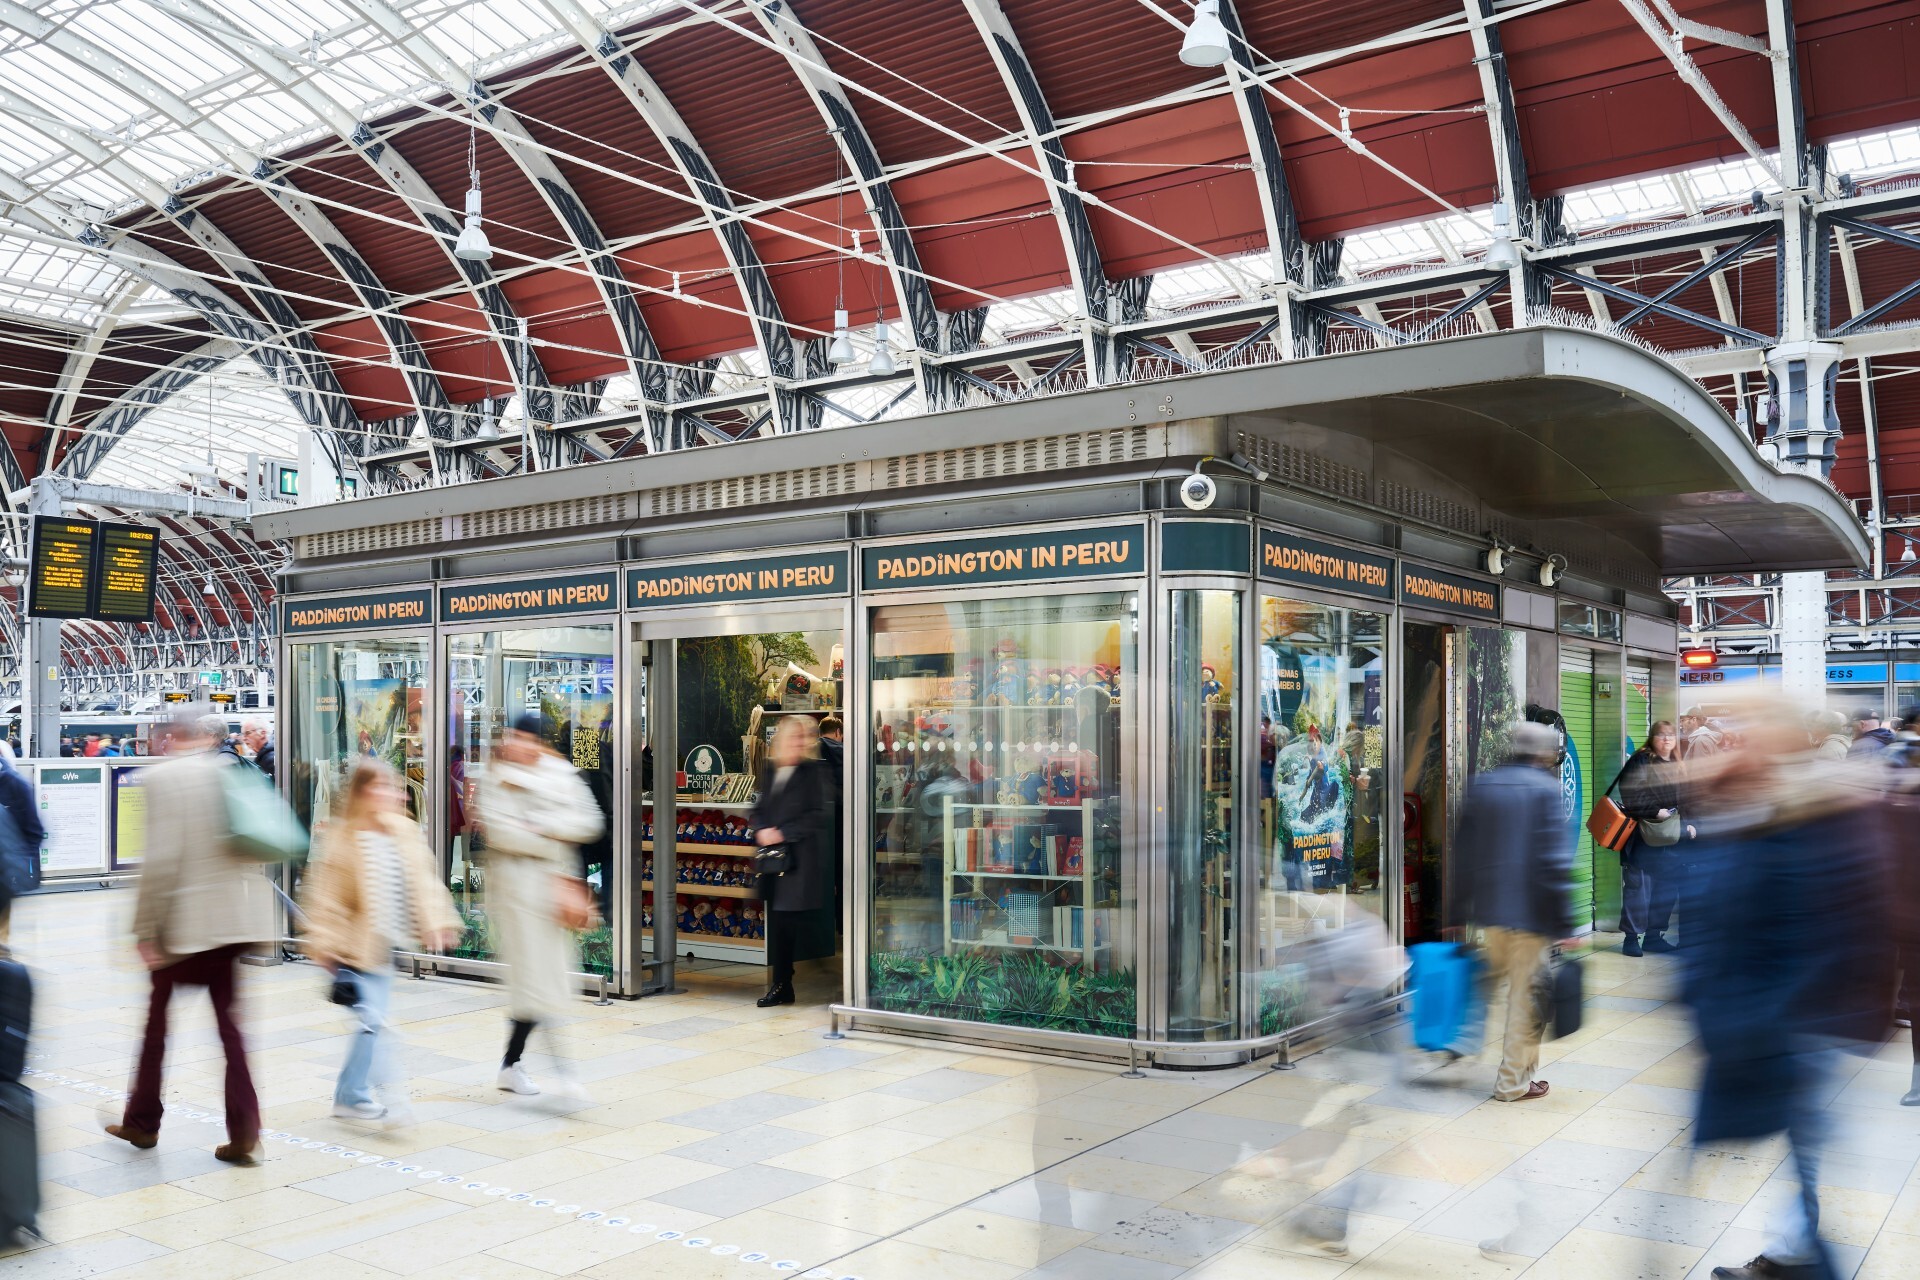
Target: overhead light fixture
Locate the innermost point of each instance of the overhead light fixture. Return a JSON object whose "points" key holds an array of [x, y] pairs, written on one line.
{"points": [[882, 363], [472, 246], [206, 588], [1205, 44], [489, 431], [841, 352], [1501, 254], [1909, 556]]}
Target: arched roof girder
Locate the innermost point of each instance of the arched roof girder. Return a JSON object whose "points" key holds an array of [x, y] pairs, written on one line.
{"points": [[641, 352], [910, 287], [770, 333], [394, 171], [112, 424], [428, 394]]}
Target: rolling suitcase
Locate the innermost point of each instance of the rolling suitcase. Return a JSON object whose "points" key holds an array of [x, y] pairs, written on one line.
{"points": [[1447, 1012], [19, 1141]]}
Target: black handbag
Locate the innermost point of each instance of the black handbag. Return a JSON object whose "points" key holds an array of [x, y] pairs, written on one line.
{"points": [[772, 860], [1558, 996], [345, 990]]}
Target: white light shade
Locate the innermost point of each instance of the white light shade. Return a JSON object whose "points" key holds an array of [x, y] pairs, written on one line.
{"points": [[472, 245], [841, 352], [1206, 42], [882, 363], [1908, 556], [1501, 255], [489, 429], [206, 588]]}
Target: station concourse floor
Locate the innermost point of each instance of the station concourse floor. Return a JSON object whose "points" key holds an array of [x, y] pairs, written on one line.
{"points": [[763, 1144]]}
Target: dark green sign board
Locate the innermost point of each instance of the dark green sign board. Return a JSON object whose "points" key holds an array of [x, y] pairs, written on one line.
{"points": [[1287, 557], [1098, 552], [1204, 546], [352, 612], [531, 597], [1421, 587], [808, 573]]}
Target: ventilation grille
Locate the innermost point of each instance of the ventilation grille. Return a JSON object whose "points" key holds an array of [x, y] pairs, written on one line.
{"points": [[1024, 457], [1510, 531], [1609, 569], [1429, 507], [749, 491], [570, 513], [1304, 468], [399, 536]]}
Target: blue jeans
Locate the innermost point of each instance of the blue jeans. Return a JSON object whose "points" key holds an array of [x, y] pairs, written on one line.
{"points": [[369, 1063], [1797, 1234]]}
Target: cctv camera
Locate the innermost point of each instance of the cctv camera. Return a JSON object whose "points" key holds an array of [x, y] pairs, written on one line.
{"points": [[1198, 491], [1550, 571]]}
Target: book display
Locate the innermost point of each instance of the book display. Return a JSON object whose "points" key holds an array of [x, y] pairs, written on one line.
{"points": [[1000, 891]]}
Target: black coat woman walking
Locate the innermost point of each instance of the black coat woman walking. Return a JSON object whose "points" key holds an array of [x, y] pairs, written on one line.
{"points": [[795, 809]]}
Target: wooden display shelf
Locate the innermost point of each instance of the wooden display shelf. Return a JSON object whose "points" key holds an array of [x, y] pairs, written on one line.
{"points": [[688, 846], [695, 941], [707, 890]]}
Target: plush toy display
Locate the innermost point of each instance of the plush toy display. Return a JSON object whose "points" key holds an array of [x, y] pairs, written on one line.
{"points": [[687, 922], [723, 922], [1005, 689], [1209, 685], [1036, 689], [751, 923], [1069, 687], [1051, 697], [703, 917]]}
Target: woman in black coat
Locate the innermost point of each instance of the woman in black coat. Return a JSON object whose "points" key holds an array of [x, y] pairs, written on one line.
{"points": [[795, 808], [1650, 794]]}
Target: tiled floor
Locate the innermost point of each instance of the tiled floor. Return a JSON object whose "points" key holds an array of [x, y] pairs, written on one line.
{"points": [[719, 1134]]}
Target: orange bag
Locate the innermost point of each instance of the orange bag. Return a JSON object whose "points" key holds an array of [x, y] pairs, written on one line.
{"points": [[1609, 827]]}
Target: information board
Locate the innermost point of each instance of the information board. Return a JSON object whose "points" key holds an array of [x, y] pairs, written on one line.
{"points": [[73, 810], [129, 562], [61, 584], [129, 816]]}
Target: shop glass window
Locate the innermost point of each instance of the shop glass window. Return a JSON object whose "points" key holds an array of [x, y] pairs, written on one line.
{"points": [[1323, 790], [1203, 976], [1003, 875], [565, 674], [1590, 621], [357, 698]]}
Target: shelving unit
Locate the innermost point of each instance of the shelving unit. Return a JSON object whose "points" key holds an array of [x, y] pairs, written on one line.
{"points": [[978, 880], [707, 946]]}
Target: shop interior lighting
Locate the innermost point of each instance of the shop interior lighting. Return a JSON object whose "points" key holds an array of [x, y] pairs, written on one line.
{"points": [[1501, 255], [882, 363], [1205, 44]]}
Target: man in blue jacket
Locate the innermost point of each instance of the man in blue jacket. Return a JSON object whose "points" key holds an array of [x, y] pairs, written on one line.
{"points": [[1514, 881]]}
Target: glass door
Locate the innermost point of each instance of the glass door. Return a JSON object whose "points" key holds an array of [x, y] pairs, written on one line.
{"points": [[717, 696], [564, 675], [357, 697], [1203, 973]]}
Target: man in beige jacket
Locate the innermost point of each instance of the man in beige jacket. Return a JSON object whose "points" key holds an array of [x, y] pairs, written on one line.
{"points": [[201, 907]]}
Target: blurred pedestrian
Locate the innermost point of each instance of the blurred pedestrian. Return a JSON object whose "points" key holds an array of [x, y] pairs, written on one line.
{"points": [[1792, 962], [795, 809], [201, 906], [20, 854], [256, 744], [1700, 735], [373, 887], [1650, 794], [1831, 741], [1515, 882], [1870, 737], [534, 811], [229, 746]]}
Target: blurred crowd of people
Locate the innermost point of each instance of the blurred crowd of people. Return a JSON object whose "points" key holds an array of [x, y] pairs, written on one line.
{"points": [[1775, 840]]}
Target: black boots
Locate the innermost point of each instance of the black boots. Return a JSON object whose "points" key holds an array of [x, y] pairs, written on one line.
{"points": [[1658, 945], [782, 993], [1631, 946]]}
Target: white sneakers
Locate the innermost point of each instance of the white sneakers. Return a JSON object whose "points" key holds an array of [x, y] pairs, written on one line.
{"points": [[358, 1111], [514, 1079]]}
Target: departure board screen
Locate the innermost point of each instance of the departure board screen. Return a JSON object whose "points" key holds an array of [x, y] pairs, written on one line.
{"points": [[129, 563], [62, 582]]}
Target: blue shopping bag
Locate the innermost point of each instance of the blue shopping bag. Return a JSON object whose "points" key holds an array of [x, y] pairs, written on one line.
{"points": [[1448, 1013]]}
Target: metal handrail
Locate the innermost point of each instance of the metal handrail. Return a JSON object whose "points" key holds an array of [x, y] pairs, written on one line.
{"points": [[489, 968], [1281, 1043]]}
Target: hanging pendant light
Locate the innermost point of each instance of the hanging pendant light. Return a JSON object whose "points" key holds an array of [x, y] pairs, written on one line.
{"points": [[472, 246], [1206, 40], [489, 431], [841, 352], [882, 363], [1501, 254], [206, 588]]}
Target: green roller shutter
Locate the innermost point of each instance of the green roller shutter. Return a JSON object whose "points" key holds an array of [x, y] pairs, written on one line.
{"points": [[1576, 707]]}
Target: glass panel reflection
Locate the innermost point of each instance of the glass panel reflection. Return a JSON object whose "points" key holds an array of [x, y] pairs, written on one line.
{"points": [[360, 697], [1203, 973], [1003, 885], [565, 674]]}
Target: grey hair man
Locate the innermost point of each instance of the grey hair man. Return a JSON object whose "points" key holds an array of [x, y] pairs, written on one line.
{"points": [[1515, 883]]}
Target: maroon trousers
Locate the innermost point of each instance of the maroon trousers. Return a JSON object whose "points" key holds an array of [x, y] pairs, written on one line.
{"points": [[213, 970]]}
